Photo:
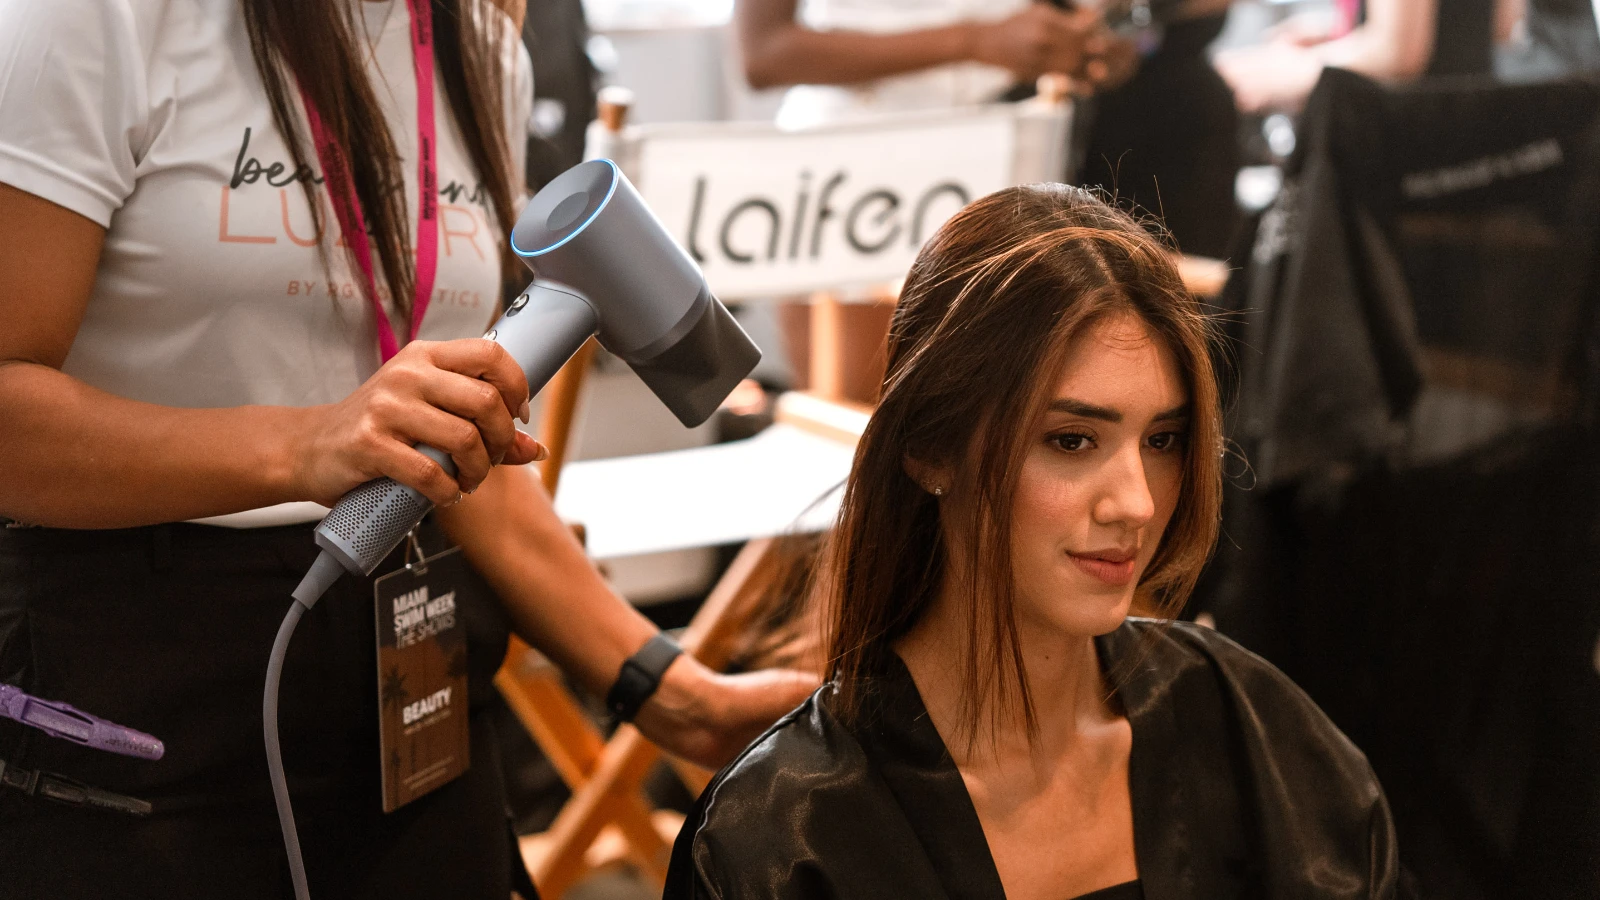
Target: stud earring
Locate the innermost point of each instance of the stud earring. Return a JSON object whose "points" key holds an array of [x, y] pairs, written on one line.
{"points": [[937, 490]]}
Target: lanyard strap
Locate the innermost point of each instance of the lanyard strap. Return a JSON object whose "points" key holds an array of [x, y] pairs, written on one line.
{"points": [[347, 206]]}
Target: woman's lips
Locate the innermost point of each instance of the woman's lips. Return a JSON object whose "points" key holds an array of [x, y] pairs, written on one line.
{"points": [[1116, 573]]}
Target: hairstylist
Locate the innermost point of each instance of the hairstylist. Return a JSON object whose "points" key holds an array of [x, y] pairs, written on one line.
{"points": [[176, 344]]}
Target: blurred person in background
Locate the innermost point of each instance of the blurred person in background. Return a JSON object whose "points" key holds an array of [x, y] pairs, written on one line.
{"points": [[1161, 129], [857, 57], [1560, 37], [1167, 138], [1390, 40], [565, 85]]}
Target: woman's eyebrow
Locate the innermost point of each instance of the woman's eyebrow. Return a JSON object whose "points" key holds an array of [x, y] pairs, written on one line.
{"points": [[1090, 411], [1084, 410]]}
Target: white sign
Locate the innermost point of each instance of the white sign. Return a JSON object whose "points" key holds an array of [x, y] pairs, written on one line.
{"points": [[767, 213]]}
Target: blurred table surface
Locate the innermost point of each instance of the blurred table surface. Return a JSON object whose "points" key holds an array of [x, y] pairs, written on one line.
{"points": [[783, 480]]}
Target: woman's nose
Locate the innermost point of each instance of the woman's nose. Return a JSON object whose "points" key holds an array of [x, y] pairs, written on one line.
{"points": [[1124, 498]]}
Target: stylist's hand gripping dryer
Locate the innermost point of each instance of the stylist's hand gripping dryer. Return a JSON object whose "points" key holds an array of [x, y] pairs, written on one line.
{"points": [[606, 266]]}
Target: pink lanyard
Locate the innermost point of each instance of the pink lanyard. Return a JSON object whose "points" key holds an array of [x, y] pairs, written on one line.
{"points": [[1349, 15], [347, 207]]}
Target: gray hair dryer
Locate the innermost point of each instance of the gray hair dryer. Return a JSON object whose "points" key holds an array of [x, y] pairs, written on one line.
{"points": [[613, 272]]}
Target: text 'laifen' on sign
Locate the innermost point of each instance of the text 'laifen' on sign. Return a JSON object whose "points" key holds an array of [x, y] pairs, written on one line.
{"points": [[769, 213]]}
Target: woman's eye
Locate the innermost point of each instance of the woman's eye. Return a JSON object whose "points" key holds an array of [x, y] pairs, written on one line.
{"points": [[1071, 442], [1166, 440]]}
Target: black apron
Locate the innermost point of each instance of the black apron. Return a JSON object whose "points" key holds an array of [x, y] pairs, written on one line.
{"points": [[167, 629]]}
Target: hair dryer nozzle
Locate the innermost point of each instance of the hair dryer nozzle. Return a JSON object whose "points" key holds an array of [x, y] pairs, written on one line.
{"points": [[589, 230], [699, 369]]}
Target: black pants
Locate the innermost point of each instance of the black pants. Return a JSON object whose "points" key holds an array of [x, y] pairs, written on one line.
{"points": [[167, 629]]}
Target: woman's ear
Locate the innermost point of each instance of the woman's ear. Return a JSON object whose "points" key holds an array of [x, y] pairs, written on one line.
{"points": [[934, 478]]}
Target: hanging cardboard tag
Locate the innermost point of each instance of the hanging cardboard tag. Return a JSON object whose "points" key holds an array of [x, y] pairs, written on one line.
{"points": [[422, 677]]}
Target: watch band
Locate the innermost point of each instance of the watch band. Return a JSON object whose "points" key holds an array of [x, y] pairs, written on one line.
{"points": [[640, 676]]}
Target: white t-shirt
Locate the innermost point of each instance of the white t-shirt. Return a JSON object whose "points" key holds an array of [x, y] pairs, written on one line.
{"points": [[149, 117], [941, 87]]}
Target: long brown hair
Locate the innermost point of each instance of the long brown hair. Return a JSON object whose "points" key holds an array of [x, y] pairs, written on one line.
{"points": [[313, 41], [986, 315]]}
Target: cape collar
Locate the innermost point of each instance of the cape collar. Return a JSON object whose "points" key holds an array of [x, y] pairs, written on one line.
{"points": [[909, 754]]}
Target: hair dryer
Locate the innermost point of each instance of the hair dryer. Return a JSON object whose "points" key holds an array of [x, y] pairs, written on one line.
{"points": [[614, 272]]}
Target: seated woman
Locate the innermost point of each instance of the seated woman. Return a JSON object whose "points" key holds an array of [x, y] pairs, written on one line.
{"points": [[1045, 456]]}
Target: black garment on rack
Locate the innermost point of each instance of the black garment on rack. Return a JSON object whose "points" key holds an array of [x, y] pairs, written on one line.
{"points": [[1240, 787], [1166, 141], [1419, 546], [1432, 244]]}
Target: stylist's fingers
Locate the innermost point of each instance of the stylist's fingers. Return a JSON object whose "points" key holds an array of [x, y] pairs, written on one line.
{"points": [[478, 358], [456, 436], [1027, 42], [408, 466], [524, 449], [455, 396], [478, 401], [1075, 27]]}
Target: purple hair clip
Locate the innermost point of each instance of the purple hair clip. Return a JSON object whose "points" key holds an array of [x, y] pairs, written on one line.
{"points": [[68, 723]]}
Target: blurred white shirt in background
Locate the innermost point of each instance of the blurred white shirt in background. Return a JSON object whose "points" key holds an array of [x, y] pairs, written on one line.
{"points": [[942, 87]]}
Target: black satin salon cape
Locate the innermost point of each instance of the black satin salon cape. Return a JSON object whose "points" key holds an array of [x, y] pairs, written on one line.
{"points": [[1241, 787]]}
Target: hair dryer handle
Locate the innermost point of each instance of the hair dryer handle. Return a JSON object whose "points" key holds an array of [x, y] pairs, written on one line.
{"points": [[373, 519], [541, 330], [440, 457]]}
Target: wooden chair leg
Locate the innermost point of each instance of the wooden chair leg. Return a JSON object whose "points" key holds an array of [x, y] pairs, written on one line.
{"points": [[545, 709], [541, 703], [613, 788], [723, 616], [693, 777], [827, 353], [559, 410], [627, 758], [532, 687], [610, 848]]}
